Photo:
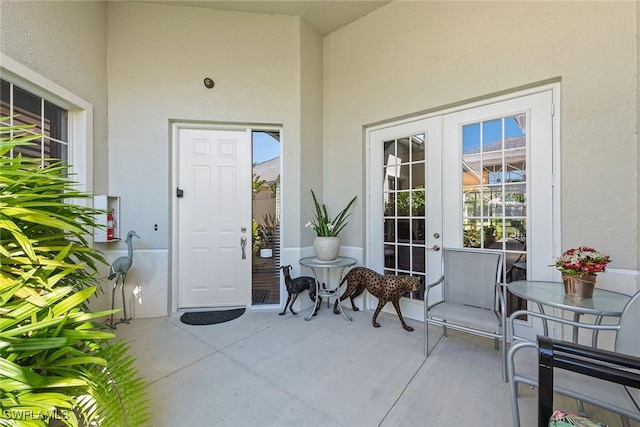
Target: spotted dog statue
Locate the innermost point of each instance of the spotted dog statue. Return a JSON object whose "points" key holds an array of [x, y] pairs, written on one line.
{"points": [[385, 288]]}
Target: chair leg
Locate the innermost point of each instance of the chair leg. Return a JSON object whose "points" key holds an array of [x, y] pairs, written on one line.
{"points": [[505, 376], [426, 338], [515, 411], [426, 329], [581, 411], [513, 390]]}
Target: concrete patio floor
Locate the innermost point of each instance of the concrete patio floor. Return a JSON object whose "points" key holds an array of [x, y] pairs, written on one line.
{"points": [[263, 369]]}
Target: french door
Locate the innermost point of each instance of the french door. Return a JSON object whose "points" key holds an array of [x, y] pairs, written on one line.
{"points": [[404, 232], [482, 176]]}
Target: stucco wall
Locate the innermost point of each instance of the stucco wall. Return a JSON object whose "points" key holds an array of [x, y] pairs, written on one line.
{"points": [[65, 42], [409, 57], [638, 111], [158, 56], [404, 58], [311, 123]]}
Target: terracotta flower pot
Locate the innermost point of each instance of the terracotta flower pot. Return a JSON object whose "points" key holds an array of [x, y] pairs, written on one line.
{"points": [[580, 287]]}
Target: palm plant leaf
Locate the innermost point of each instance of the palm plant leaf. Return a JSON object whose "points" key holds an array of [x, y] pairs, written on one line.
{"points": [[55, 359], [127, 402], [323, 224], [340, 221]]}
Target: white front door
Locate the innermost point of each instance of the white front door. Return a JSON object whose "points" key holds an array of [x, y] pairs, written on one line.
{"points": [[212, 239]]}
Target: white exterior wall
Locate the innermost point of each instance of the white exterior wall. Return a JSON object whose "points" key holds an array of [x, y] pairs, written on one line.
{"points": [[311, 124], [410, 57], [638, 114], [404, 58], [66, 43], [158, 56]]}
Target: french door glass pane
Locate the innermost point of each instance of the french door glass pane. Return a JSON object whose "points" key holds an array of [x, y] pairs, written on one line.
{"points": [[417, 175], [404, 198], [389, 230], [403, 150], [418, 258], [494, 188], [418, 227]]}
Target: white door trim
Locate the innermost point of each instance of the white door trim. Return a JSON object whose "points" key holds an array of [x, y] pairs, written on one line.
{"points": [[553, 88], [175, 127]]}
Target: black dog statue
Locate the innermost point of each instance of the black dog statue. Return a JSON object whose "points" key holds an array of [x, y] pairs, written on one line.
{"points": [[295, 286]]}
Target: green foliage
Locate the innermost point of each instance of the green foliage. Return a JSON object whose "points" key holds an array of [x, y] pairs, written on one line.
{"points": [[322, 222], [57, 362], [255, 233], [114, 389], [258, 185], [471, 236], [406, 203], [268, 229], [273, 187]]}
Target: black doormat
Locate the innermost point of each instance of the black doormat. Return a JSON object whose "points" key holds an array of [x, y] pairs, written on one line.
{"points": [[211, 317]]}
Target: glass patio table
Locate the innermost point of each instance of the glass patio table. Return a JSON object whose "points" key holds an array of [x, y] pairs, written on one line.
{"points": [[543, 293], [315, 264]]}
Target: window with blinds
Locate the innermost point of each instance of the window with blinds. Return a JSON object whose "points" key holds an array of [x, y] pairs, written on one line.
{"points": [[20, 107]]}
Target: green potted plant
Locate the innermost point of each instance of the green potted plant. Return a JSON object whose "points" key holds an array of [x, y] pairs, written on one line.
{"points": [[58, 364], [327, 243]]}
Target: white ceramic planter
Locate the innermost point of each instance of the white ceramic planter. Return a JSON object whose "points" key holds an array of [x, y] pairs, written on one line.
{"points": [[326, 248]]}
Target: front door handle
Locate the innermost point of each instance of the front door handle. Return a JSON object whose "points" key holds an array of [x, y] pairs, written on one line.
{"points": [[243, 245], [435, 248]]}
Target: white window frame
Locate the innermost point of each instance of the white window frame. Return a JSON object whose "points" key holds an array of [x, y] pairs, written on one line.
{"points": [[80, 117]]}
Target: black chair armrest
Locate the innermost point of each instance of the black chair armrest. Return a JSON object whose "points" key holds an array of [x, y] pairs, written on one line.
{"points": [[606, 365]]}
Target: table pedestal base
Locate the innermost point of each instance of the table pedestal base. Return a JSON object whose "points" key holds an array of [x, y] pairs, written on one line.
{"points": [[327, 291]]}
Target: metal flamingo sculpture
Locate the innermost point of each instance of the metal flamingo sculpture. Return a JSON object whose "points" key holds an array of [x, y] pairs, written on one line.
{"points": [[118, 270]]}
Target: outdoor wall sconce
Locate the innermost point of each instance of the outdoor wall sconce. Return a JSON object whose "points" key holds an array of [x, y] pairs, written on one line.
{"points": [[208, 83]]}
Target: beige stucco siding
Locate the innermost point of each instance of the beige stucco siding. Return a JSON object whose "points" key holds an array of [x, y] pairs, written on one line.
{"points": [[66, 42], [141, 65], [158, 57], [409, 57]]}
